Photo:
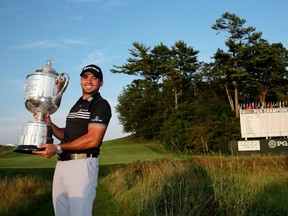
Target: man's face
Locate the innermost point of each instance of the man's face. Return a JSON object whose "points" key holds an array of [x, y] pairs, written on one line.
{"points": [[90, 84]]}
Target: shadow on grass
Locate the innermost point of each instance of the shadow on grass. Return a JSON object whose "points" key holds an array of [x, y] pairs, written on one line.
{"points": [[270, 201], [186, 193], [46, 173]]}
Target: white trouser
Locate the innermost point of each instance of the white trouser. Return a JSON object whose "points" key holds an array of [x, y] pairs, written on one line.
{"points": [[74, 187]]}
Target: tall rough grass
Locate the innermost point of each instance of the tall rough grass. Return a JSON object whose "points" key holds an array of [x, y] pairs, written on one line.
{"points": [[202, 186], [21, 194], [162, 187], [249, 185]]}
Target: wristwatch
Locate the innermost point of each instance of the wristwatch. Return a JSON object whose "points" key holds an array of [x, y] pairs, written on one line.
{"points": [[59, 149]]}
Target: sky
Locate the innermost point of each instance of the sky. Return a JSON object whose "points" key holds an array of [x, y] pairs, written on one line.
{"points": [[75, 33]]}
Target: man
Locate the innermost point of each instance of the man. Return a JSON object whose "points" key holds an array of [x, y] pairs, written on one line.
{"points": [[76, 172]]}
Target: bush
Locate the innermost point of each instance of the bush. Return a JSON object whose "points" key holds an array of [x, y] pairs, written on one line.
{"points": [[199, 128]]}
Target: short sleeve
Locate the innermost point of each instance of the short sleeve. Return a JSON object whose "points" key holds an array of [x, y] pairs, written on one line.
{"points": [[100, 113]]}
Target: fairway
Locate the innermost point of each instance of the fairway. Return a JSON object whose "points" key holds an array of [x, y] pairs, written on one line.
{"points": [[116, 151], [125, 151]]}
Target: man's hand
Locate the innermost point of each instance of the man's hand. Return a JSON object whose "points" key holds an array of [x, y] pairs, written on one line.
{"points": [[45, 118], [50, 150]]}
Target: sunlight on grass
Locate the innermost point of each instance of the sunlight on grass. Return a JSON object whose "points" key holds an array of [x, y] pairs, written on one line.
{"points": [[202, 186], [142, 179], [20, 194]]}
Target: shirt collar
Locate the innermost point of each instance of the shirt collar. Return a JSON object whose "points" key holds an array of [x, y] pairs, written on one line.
{"points": [[89, 99]]}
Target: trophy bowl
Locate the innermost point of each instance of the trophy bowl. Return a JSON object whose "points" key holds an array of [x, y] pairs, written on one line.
{"points": [[43, 93]]}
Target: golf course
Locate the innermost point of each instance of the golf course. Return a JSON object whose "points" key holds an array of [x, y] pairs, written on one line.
{"points": [[141, 178], [113, 154]]}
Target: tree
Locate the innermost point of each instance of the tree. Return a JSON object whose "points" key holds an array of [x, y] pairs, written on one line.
{"points": [[140, 64], [184, 65], [162, 55], [139, 113], [150, 96], [230, 63], [266, 68]]}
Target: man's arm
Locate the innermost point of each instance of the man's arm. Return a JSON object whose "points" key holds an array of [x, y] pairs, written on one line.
{"points": [[57, 132], [50, 149], [92, 139]]}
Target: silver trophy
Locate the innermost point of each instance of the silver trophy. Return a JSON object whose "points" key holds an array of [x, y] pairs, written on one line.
{"points": [[43, 93]]}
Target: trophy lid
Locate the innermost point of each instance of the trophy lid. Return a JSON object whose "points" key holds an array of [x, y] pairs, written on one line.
{"points": [[47, 68]]}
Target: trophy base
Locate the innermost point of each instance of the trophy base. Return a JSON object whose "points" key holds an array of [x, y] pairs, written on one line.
{"points": [[33, 135], [27, 149]]}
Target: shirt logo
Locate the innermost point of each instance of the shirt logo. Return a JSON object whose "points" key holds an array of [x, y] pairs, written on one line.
{"points": [[96, 119]]}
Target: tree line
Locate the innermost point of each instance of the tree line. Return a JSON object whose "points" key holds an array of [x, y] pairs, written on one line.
{"points": [[190, 105]]}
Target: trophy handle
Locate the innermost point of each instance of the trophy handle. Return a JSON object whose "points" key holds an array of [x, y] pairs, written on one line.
{"points": [[61, 88], [60, 79]]}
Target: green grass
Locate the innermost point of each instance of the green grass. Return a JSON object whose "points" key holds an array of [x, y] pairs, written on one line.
{"points": [[138, 178], [113, 153], [17, 160], [122, 151], [202, 186]]}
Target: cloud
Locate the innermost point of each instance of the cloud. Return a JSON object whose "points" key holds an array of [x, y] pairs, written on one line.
{"points": [[38, 44], [114, 3], [70, 41], [50, 43], [108, 3], [17, 84], [12, 120], [97, 57]]}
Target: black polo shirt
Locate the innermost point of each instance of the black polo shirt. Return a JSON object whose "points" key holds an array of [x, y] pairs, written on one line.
{"points": [[93, 110]]}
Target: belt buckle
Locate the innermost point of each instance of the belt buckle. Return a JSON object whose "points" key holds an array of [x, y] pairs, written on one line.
{"points": [[77, 156], [80, 156]]}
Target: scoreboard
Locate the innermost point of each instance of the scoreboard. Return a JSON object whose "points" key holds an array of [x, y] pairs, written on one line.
{"points": [[264, 122]]}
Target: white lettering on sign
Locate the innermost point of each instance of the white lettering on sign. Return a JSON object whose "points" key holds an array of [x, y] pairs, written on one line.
{"points": [[282, 143], [273, 144], [249, 145]]}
